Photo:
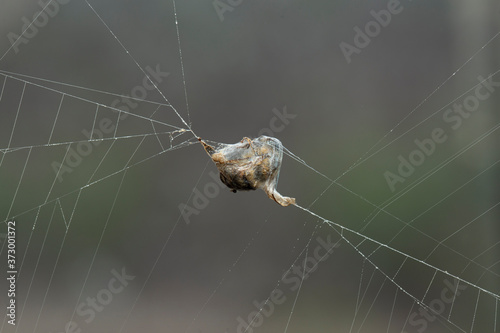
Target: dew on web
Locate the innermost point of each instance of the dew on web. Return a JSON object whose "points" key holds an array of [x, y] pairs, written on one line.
{"points": [[249, 165]]}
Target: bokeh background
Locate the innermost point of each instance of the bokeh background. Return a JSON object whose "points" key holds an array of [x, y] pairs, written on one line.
{"points": [[242, 67]]}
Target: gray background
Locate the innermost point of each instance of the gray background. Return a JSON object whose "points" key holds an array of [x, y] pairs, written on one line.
{"points": [[199, 277]]}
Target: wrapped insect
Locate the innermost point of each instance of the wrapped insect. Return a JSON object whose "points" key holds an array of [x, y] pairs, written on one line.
{"points": [[250, 165]]}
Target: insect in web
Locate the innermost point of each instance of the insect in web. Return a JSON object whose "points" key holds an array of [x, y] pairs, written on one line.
{"points": [[249, 165]]}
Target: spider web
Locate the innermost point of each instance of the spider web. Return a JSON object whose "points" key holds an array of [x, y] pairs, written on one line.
{"points": [[394, 265]]}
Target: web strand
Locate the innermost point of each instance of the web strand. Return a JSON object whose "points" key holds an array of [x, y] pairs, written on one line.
{"points": [[140, 67], [19, 183], [26, 29], [102, 236], [158, 259], [306, 255], [182, 63], [178, 146], [15, 122], [40, 251], [420, 180], [92, 102], [59, 83], [396, 251], [363, 159]]}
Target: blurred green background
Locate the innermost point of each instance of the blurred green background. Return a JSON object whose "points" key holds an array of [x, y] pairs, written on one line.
{"points": [[245, 64]]}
